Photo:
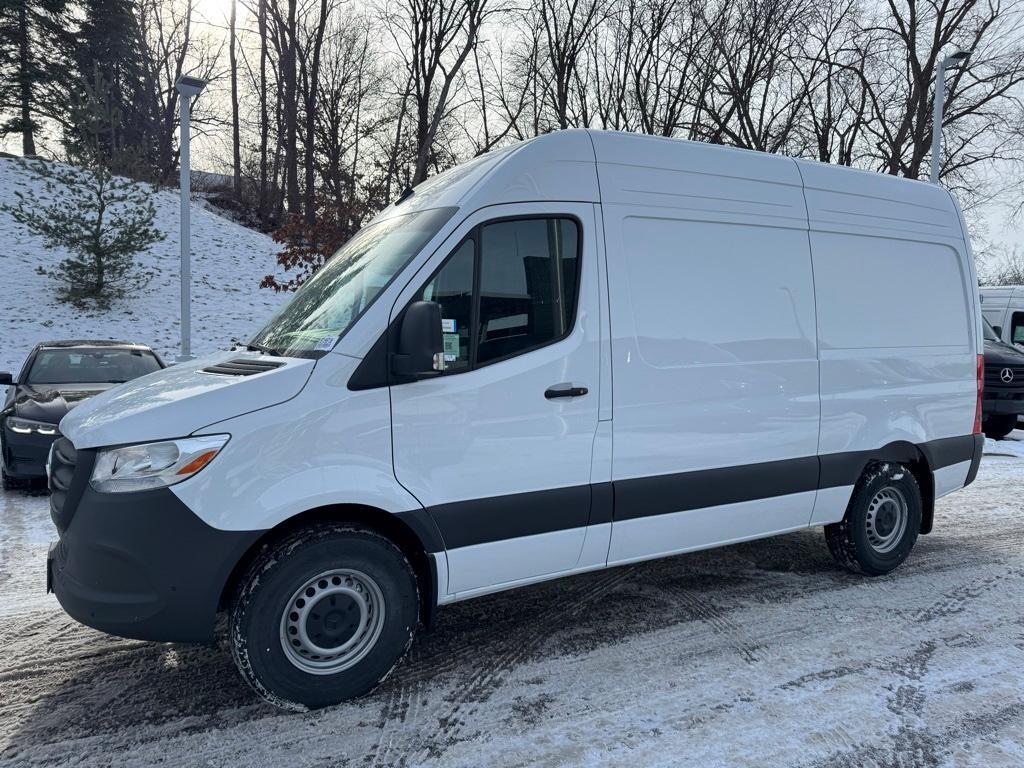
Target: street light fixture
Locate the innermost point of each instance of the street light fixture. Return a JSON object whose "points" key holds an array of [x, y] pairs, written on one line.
{"points": [[189, 88], [939, 105]]}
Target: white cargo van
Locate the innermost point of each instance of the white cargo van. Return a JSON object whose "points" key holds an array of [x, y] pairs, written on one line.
{"points": [[585, 350], [1004, 307]]}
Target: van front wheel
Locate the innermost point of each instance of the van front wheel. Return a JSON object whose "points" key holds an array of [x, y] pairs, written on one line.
{"points": [[881, 523], [323, 616]]}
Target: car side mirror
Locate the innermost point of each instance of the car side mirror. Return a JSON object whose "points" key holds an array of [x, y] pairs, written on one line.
{"points": [[999, 330], [6, 380], [420, 348]]}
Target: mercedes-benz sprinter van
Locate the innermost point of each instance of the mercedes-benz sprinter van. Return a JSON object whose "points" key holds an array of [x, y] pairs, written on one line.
{"points": [[1003, 305], [584, 350]]}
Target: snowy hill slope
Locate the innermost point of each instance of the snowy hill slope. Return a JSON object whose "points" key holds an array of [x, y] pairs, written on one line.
{"points": [[228, 262]]}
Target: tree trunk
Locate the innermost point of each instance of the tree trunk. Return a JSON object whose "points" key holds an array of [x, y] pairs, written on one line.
{"points": [[311, 102], [28, 144], [236, 149], [264, 117], [291, 153]]}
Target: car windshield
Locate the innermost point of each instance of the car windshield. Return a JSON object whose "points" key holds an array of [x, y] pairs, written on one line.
{"points": [[333, 299], [990, 332], [90, 365]]}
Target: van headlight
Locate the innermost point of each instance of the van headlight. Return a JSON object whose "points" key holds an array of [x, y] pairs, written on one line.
{"points": [[153, 465]]}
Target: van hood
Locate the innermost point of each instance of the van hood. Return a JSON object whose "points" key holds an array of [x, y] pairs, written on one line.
{"points": [[180, 399]]}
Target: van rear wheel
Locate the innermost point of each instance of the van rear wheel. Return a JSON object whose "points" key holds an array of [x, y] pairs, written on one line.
{"points": [[323, 616], [882, 521]]}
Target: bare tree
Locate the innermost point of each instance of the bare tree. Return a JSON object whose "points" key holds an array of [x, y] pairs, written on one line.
{"points": [[833, 89], [170, 48], [564, 29], [981, 100], [434, 39], [756, 100]]}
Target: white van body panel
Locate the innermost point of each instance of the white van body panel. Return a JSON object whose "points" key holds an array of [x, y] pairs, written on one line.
{"points": [[951, 478], [717, 526], [698, 385], [892, 369], [329, 446], [451, 433], [180, 399], [830, 504]]}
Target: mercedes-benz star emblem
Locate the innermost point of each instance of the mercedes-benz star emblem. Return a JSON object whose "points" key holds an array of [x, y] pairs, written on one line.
{"points": [[1006, 375]]}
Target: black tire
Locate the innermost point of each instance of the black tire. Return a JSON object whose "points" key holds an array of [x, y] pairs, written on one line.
{"points": [[998, 427], [258, 621], [862, 541]]}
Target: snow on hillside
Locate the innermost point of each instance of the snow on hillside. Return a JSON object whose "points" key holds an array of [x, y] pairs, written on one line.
{"points": [[228, 262]]}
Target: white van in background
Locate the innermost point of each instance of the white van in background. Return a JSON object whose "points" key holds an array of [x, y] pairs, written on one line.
{"points": [[525, 369], [1004, 307]]}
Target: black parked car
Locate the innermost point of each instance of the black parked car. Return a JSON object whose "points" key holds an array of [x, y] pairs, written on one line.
{"points": [[56, 376], [1003, 398]]}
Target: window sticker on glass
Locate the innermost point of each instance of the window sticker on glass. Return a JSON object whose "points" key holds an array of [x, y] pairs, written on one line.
{"points": [[448, 325], [326, 344], [451, 347]]}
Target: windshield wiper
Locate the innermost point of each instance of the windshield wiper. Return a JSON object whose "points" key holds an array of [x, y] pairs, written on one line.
{"points": [[257, 348]]}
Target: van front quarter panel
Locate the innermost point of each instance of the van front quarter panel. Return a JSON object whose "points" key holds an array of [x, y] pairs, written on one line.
{"points": [[327, 446]]}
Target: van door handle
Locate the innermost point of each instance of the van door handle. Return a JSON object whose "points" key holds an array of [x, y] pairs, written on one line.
{"points": [[564, 390]]}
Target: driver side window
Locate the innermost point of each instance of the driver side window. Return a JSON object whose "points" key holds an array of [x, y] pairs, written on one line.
{"points": [[509, 288], [452, 288]]}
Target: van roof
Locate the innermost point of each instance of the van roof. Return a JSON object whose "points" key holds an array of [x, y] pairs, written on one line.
{"points": [[587, 165], [1002, 291]]}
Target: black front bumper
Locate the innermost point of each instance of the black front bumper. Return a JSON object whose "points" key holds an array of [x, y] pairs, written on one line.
{"points": [[142, 565], [1001, 402], [25, 454]]}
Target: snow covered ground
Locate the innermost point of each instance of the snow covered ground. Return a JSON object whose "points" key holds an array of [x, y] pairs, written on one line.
{"points": [[228, 262], [763, 654]]}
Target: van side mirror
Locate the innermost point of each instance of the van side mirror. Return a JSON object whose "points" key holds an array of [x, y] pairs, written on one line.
{"points": [[6, 380], [999, 330], [420, 348]]}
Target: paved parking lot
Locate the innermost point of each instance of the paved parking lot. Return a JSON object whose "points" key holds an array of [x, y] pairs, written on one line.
{"points": [[761, 654]]}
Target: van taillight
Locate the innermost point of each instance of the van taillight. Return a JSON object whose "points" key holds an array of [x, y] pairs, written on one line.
{"points": [[981, 386]]}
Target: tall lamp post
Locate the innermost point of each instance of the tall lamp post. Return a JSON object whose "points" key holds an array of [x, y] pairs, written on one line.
{"points": [[939, 106], [189, 88]]}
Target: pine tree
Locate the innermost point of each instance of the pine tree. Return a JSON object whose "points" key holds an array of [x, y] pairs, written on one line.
{"points": [[103, 219], [33, 39], [109, 46]]}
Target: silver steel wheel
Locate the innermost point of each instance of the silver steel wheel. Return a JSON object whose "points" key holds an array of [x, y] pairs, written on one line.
{"points": [[332, 621], [887, 520]]}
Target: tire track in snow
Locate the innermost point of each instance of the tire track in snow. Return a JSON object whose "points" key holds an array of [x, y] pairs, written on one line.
{"points": [[511, 651]]}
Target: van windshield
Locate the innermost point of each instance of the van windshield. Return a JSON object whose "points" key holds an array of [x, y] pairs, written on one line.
{"points": [[333, 299]]}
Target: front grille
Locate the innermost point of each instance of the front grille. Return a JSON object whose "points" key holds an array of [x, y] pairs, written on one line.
{"points": [[994, 377], [63, 461], [242, 366]]}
